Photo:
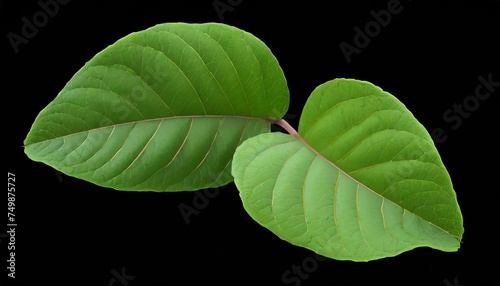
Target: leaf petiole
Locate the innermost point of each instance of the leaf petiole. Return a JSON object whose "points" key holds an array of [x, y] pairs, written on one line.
{"points": [[288, 128]]}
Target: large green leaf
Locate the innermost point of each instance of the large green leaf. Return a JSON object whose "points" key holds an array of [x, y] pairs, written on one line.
{"points": [[362, 181], [162, 109]]}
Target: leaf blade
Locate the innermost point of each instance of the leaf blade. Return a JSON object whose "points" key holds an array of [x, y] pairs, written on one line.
{"points": [[172, 71], [326, 208], [406, 148]]}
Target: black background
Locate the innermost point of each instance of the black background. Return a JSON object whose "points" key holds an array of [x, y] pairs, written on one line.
{"points": [[71, 232]]}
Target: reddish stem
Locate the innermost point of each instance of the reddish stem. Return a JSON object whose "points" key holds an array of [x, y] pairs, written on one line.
{"points": [[288, 128]]}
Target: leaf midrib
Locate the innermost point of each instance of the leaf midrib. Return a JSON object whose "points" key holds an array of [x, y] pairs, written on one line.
{"points": [[158, 119], [297, 136]]}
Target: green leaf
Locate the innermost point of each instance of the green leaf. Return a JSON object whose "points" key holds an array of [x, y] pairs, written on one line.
{"points": [[363, 180], [162, 109]]}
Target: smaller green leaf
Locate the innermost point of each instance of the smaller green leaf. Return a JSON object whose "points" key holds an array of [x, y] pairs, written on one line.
{"points": [[364, 181]]}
